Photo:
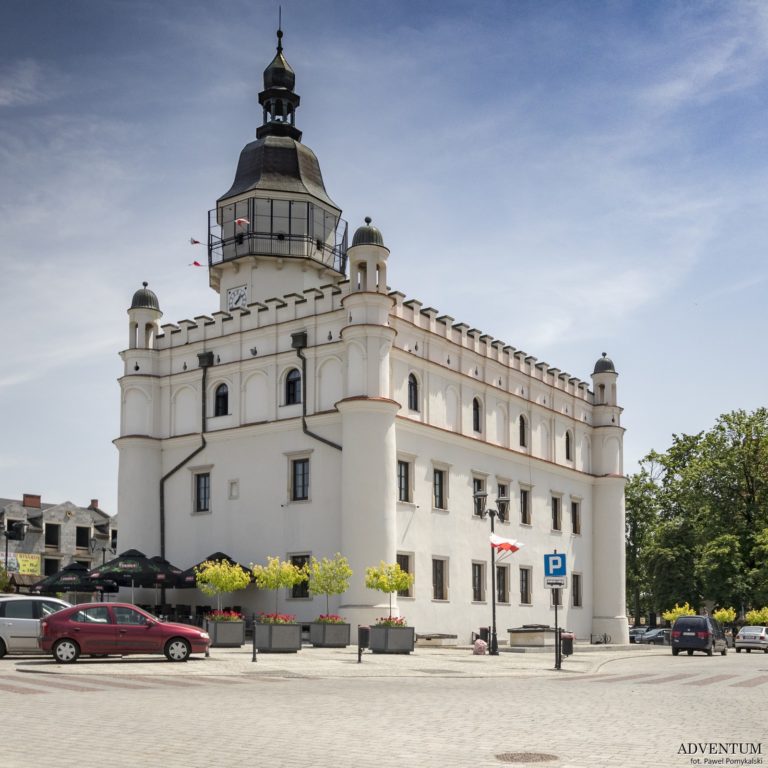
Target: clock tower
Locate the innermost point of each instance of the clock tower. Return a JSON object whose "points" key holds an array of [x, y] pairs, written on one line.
{"points": [[276, 230]]}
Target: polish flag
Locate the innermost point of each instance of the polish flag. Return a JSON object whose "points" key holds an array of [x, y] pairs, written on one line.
{"points": [[242, 222], [192, 241], [196, 264], [506, 545]]}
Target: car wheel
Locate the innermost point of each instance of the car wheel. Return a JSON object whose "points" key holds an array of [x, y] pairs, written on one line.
{"points": [[749, 650], [738, 650], [3, 649], [675, 651], [177, 649], [66, 651], [710, 650], [689, 652]]}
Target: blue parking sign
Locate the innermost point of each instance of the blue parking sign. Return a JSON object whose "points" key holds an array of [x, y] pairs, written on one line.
{"points": [[554, 564]]}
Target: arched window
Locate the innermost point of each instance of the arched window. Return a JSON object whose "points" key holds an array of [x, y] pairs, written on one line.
{"points": [[523, 432], [293, 387], [476, 411], [413, 393], [568, 448], [221, 401]]}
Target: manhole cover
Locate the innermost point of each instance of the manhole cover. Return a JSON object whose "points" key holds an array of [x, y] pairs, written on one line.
{"points": [[526, 757]]}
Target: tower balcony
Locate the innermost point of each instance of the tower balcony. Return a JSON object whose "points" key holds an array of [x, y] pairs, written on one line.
{"points": [[262, 226]]}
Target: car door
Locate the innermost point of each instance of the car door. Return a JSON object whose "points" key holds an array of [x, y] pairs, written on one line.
{"points": [[135, 631], [94, 630], [20, 625]]}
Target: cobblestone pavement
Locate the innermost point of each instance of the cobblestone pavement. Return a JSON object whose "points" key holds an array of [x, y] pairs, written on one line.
{"points": [[437, 707]]}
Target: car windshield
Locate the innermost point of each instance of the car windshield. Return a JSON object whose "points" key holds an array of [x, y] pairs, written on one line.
{"points": [[751, 629]]}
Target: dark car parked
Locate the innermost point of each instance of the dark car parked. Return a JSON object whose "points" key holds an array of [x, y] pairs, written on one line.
{"points": [[659, 636], [635, 633], [698, 633]]}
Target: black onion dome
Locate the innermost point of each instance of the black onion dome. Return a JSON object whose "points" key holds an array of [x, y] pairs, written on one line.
{"points": [[279, 73], [145, 299], [604, 365], [367, 235]]}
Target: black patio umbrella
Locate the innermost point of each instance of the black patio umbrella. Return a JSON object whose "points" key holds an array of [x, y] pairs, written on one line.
{"points": [[188, 579], [73, 578], [129, 569], [167, 575]]}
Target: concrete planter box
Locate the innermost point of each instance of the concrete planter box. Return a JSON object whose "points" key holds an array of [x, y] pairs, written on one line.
{"points": [[392, 639], [277, 638], [226, 634], [531, 637], [329, 635]]}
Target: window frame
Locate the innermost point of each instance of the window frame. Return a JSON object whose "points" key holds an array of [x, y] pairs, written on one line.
{"points": [[197, 504], [502, 492], [300, 591], [88, 531], [292, 387], [440, 502], [409, 559], [221, 400], [577, 587], [477, 416], [522, 436], [526, 598], [444, 579], [405, 480], [568, 445], [576, 517], [502, 595], [413, 393], [479, 581], [49, 545], [479, 485], [556, 508], [526, 509], [299, 481]]}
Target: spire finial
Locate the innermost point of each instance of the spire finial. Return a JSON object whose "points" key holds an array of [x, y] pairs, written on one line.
{"points": [[368, 220], [279, 28], [145, 283]]}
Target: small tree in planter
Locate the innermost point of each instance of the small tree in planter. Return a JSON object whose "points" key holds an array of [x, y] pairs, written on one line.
{"points": [[272, 633], [329, 577], [390, 634], [677, 612], [214, 578]]}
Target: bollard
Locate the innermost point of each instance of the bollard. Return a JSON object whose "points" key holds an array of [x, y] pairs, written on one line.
{"points": [[363, 641], [254, 656]]}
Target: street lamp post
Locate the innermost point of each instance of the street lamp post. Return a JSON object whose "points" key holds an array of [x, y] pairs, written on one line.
{"points": [[502, 506], [95, 545], [17, 531]]}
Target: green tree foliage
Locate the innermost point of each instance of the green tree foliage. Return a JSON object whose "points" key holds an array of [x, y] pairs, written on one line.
{"points": [[758, 617], [697, 517], [5, 579], [216, 577], [329, 577], [279, 574], [388, 578]]}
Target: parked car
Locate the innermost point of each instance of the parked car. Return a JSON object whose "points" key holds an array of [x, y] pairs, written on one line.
{"points": [[101, 629], [20, 621], [698, 633], [658, 636], [635, 633], [750, 638]]}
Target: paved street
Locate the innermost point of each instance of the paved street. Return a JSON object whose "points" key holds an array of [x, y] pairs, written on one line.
{"points": [[437, 707]]}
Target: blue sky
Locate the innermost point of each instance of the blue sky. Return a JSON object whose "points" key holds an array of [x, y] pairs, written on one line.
{"points": [[570, 178]]}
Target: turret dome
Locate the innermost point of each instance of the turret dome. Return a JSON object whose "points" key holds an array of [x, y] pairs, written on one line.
{"points": [[145, 299], [604, 365], [367, 235], [279, 73]]}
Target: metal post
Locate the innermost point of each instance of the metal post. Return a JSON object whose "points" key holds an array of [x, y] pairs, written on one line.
{"points": [[557, 637], [255, 654], [494, 645], [5, 533]]}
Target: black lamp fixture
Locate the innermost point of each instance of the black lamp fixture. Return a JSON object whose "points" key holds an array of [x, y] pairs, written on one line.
{"points": [[96, 545], [501, 511], [15, 530]]}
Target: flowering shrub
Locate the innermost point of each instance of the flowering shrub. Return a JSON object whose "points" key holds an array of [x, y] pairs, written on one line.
{"points": [[275, 618], [391, 621], [331, 618], [225, 616]]}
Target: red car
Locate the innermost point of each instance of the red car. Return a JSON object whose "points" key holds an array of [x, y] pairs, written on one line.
{"points": [[100, 629]]}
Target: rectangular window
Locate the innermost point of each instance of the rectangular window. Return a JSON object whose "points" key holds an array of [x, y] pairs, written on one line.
{"points": [[299, 479], [82, 537], [576, 589], [50, 566], [113, 538], [502, 507], [502, 583], [557, 518], [52, 536], [439, 579], [525, 586], [478, 486], [576, 516], [203, 492], [525, 506], [557, 597], [406, 564], [478, 582], [403, 481], [300, 590], [438, 484]]}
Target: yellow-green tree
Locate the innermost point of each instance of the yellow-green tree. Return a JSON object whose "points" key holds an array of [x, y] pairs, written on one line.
{"points": [[329, 577], [5, 579], [388, 578], [677, 612], [724, 615], [278, 574], [758, 617], [215, 577]]}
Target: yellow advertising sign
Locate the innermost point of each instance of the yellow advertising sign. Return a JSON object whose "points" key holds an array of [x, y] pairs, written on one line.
{"points": [[28, 564]]}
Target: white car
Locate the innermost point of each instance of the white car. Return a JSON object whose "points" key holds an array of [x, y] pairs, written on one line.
{"points": [[750, 638], [20, 621]]}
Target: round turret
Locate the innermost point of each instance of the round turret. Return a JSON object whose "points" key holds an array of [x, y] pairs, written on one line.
{"points": [[145, 299], [279, 73], [367, 235], [604, 365]]}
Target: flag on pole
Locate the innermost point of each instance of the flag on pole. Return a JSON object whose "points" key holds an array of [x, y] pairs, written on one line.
{"points": [[505, 545], [242, 222], [196, 264], [192, 241]]}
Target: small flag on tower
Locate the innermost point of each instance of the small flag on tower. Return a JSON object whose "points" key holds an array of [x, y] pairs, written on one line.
{"points": [[192, 241], [242, 222], [196, 264]]}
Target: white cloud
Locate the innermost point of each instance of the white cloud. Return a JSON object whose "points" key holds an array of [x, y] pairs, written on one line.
{"points": [[24, 82]]}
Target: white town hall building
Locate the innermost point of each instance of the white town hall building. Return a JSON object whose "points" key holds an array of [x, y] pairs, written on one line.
{"points": [[318, 411]]}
